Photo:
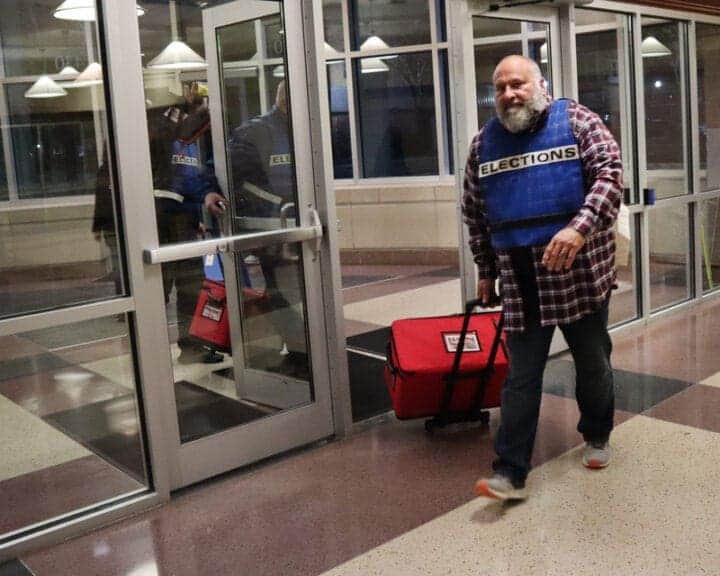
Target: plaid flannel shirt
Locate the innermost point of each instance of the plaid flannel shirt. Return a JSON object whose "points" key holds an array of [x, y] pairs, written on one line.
{"points": [[567, 295]]}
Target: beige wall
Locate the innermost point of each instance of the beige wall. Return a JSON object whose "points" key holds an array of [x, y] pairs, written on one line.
{"points": [[419, 215], [37, 236]]}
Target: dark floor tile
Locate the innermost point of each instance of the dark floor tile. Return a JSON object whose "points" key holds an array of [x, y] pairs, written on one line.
{"points": [[78, 333], [368, 392], [633, 392], [14, 568], [202, 412], [14, 347], [109, 428], [344, 498], [697, 406], [374, 341], [19, 367], [50, 492]]}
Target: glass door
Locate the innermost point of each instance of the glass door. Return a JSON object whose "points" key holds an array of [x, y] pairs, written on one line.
{"points": [[238, 233], [665, 165], [605, 84], [483, 40]]}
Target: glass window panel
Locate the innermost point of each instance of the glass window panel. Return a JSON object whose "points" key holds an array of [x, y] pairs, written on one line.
{"points": [[603, 81], [56, 146], [490, 27], [441, 20], [665, 108], [624, 301], [710, 243], [70, 421], [539, 51], [339, 120], [396, 105], [241, 93], [708, 98], [669, 256], [398, 23], [274, 38], [238, 43], [4, 192], [55, 255], [487, 57], [37, 43], [447, 109], [333, 24]]}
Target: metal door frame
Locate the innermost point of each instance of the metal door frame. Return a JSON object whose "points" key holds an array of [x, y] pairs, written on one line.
{"points": [[462, 92]]}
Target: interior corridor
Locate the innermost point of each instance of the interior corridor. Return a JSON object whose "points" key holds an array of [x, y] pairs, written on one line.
{"points": [[392, 500]]}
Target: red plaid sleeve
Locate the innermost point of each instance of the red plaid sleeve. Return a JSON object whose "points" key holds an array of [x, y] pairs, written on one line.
{"points": [[473, 209], [602, 167]]}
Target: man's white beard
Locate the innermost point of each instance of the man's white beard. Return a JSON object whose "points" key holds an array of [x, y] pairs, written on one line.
{"points": [[519, 118]]}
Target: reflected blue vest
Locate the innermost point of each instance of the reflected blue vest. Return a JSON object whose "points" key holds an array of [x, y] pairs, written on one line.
{"points": [[533, 182]]}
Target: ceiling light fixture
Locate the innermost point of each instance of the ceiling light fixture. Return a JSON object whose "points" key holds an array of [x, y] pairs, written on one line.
{"points": [[82, 10], [45, 87], [373, 66], [651, 47], [91, 76], [177, 55], [376, 43]]}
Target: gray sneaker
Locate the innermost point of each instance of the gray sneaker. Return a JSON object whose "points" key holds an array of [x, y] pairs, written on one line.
{"points": [[501, 488], [596, 455]]}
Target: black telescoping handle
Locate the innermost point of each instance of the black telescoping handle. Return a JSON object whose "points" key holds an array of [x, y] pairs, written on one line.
{"points": [[452, 377]]}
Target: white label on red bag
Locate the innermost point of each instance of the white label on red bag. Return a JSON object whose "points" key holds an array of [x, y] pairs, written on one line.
{"points": [[472, 344], [211, 312]]}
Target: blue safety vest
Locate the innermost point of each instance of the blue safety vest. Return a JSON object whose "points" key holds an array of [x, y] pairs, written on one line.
{"points": [[533, 182]]}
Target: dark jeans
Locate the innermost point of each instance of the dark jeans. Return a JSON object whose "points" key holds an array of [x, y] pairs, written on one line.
{"points": [[590, 347]]}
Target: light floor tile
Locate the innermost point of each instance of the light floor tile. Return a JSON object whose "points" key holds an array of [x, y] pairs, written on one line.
{"points": [[118, 369], [434, 300], [653, 512], [29, 444], [713, 380]]}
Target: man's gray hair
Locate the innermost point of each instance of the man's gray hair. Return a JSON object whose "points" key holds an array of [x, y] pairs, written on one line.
{"points": [[534, 68]]}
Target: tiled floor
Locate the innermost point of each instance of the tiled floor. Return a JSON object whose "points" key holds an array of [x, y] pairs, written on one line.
{"points": [[393, 500]]}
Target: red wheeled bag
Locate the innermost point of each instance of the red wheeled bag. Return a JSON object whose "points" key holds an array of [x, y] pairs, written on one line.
{"points": [[447, 367]]}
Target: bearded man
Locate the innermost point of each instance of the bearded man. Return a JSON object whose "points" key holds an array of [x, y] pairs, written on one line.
{"points": [[542, 190]]}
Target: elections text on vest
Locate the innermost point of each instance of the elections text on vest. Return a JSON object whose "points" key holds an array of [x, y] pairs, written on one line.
{"points": [[537, 158]]}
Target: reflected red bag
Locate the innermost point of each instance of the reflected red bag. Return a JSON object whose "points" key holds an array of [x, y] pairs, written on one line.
{"points": [[210, 320]]}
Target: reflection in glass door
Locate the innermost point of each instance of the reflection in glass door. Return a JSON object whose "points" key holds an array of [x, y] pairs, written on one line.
{"points": [[603, 42], [666, 174], [233, 191], [70, 409]]}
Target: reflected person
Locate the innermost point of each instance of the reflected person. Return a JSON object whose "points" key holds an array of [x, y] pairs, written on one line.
{"points": [[542, 190], [184, 182], [264, 196]]}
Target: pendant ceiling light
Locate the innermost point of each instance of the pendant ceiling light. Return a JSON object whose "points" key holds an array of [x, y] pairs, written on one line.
{"points": [[279, 71], [376, 43], [68, 72], [652, 48], [91, 76], [82, 10], [331, 53], [373, 66], [177, 55], [45, 87]]}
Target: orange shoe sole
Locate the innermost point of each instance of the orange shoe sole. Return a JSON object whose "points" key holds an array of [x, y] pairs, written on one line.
{"points": [[482, 489]]}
